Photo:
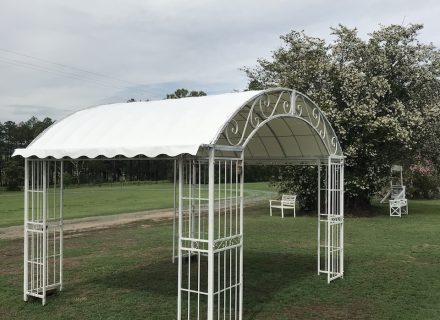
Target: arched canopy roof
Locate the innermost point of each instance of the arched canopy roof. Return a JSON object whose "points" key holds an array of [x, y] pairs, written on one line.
{"points": [[270, 124]]}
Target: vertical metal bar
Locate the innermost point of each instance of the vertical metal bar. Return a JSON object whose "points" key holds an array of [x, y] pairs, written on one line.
{"points": [[61, 223], [191, 231], [32, 187], [44, 256], [242, 238], [179, 275], [211, 236], [189, 286], [329, 203], [54, 217], [334, 213], [319, 217], [199, 237], [342, 217], [230, 233], [193, 196], [26, 239], [219, 254], [46, 243], [32, 219], [219, 202], [332, 228], [38, 236], [190, 213], [200, 196], [204, 186], [175, 211], [236, 232], [36, 219], [224, 235]]}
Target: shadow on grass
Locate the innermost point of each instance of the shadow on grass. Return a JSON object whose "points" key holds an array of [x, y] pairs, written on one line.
{"points": [[265, 275]]}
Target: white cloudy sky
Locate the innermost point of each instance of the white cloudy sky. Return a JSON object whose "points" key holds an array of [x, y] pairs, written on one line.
{"points": [[145, 49]]}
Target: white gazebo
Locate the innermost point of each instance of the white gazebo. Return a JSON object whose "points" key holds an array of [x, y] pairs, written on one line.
{"points": [[209, 139]]}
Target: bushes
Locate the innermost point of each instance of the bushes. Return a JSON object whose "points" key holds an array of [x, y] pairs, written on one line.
{"points": [[301, 181], [424, 180]]}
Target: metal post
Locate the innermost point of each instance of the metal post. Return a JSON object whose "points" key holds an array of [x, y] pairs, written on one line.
{"points": [[329, 207], [61, 223], [342, 214], [44, 226], [319, 216], [26, 239], [211, 235], [242, 236], [192, 188], [175, 211], [179, 277]]}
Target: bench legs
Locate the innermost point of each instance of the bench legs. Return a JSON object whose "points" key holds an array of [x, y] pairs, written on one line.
{"points": [[397, 208], [405, 209], [282, 210], [395, 211]]}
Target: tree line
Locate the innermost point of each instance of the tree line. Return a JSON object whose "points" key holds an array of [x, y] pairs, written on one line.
{"points": [[12, 136]]}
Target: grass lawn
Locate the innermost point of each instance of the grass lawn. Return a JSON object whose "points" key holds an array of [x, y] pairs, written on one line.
{"points": [[108, 199], [392, 271]]}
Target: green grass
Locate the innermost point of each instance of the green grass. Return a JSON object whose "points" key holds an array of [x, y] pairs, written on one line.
{"points": [[391, 271], [105, 200]]}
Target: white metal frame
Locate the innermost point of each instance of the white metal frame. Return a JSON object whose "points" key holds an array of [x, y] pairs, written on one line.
{"points": [[43, 228], [210, 283], [287, 201], [208, 213], [331, 218], [287, 103], [210, 245]]}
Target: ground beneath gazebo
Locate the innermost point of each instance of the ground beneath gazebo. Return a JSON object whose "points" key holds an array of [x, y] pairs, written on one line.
{"points": [[126, 272]]}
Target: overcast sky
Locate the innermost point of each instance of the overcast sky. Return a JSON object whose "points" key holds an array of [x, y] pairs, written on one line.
{"points": [[60, 56]]}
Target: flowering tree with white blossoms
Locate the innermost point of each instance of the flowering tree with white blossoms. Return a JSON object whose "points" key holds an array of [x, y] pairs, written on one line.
{"points": [[381, 94]]}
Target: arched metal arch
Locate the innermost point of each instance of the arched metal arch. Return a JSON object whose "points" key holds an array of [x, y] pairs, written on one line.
{"points": [[272, 104]]}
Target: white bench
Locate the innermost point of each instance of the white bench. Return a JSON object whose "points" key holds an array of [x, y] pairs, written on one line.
{"points": [[287, 202]]}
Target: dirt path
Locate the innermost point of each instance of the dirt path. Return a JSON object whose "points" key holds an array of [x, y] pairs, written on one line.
{"points": [[108, 221], [94, 223]]}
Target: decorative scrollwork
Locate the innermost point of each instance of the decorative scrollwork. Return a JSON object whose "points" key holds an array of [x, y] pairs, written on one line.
{"points": [[280, 102], [286, 107], [265, 106], [227, 243], [264, 103]]}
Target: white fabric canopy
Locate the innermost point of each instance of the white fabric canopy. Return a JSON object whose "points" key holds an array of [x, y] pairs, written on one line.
{"points": [[293, 128], [169, 127]]}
